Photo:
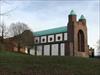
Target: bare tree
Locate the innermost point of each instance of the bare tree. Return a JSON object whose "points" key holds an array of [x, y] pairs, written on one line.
{"points": [[3, 28], [16, 29], [3, 31]]}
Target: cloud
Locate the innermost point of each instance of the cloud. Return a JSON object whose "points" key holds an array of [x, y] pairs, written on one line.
{"points": [[45, 14]]}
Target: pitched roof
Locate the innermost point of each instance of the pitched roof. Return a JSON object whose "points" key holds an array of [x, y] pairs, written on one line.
{"points": [[51, 31]]}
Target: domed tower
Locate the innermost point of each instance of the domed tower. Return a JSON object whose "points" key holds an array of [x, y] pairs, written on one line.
{"points": [[77, 35]]}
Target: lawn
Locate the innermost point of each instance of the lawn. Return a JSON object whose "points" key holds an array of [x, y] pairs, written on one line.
{"points": [[22, 64]]}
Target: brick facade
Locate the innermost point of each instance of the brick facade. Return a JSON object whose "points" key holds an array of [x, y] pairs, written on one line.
{"points": [[77, 36]]}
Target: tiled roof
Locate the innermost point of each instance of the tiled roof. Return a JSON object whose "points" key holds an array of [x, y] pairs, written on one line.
{"points": [[51, 31]]}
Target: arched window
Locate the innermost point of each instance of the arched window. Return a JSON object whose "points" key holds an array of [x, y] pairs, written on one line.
{"points": [[81, 44]]}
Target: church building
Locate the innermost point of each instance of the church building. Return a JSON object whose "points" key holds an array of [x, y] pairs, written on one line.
{"points": [[69, 40]]}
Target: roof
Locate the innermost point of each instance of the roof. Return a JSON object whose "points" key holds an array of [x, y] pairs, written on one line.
{"points": [[72, 12], [82, 17], [51, 31]]}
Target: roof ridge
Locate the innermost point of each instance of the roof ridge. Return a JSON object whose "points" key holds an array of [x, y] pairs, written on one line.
{"points": [[51, 28], [51, 31]]}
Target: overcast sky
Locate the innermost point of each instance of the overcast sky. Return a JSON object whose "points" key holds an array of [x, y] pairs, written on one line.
{"points": [[46, 14]]}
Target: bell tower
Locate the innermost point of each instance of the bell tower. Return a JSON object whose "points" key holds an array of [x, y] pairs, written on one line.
{"points": [[72, 18], [77, 35]]}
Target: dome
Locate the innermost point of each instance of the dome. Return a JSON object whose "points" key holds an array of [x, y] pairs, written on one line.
{"points": [[72, 12], [82, 17]]}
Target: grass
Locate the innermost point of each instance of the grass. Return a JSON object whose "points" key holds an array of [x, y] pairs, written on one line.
{"points": [[22, 64]]}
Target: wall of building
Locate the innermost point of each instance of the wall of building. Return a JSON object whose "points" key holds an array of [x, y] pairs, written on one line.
{"points": [[51, 38], [49, 50], [50, 45]]}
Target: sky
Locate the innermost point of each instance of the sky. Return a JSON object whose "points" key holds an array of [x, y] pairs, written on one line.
{"points": [[46, 14]]}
